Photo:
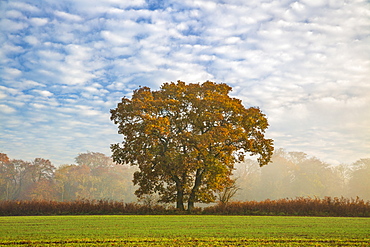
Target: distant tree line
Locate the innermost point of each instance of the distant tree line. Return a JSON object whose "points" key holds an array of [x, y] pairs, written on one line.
{"points": [[296, 174], [96, 177]]}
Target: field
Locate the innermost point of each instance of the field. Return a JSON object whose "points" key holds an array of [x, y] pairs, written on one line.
{"points": [[183, 230]]}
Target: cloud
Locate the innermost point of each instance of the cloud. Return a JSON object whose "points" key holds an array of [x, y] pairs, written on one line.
{"points": [[315, 3], [22, 6], [43, 93], [103, 7], [14, 14], [6, 109], [36, 21], [116, 39], [32, 40], [65, 64], [12, 26], [68, 16], [11, 72]]}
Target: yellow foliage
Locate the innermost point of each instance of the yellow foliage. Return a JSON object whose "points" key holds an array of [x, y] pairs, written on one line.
{"points": [[185, 138]]}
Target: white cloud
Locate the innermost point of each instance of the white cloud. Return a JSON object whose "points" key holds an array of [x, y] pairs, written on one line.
{"points": [[2, 95], [43, 93], [6, 109], [39, 106], [32, 40], [102, 7], [49, 55], [23, 6], [305, 63], [39, 21], [12, 26], [11, 73], [68, 16], [14, 14], [117, 39], [315, 3], [8, 49], [9, 91]]}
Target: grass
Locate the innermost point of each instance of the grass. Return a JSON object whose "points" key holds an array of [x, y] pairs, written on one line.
{"points": [[183, 230]]}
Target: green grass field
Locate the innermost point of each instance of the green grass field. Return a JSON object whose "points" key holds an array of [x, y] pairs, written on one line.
{"points": [[188, 230]]}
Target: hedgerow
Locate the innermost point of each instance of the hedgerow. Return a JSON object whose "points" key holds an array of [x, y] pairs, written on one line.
{"points": [[77, 207], [300, 206]]}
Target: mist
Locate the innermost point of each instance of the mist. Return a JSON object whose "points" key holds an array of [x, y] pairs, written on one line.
{"points": [[96, 177], [297, 174]]}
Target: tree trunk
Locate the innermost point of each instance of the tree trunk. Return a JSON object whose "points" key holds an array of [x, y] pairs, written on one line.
{"points": [[197, 183], [180, 200], [180, 194]]}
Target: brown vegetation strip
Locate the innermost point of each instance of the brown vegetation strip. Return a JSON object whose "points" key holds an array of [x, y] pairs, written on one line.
{"points": [[298, 207]]}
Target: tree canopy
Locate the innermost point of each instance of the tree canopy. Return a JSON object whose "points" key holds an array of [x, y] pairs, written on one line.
{"points": [[186, 138]]}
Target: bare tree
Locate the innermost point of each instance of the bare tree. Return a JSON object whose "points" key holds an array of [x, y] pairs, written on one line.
{"points": [[228, 192]]}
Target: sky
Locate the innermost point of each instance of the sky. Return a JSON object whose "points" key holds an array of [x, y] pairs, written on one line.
{"points": [[65, 64]]}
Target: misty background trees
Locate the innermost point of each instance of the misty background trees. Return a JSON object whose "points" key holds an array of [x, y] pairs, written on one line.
{"points": [[95, 176], [293, 174]]}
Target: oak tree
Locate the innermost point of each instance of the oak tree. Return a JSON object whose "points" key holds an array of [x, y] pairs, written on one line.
{"points": [[186, 138]]}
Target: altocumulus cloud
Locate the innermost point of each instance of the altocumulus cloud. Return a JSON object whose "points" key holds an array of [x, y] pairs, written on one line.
{"points": [[64, 64]]}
